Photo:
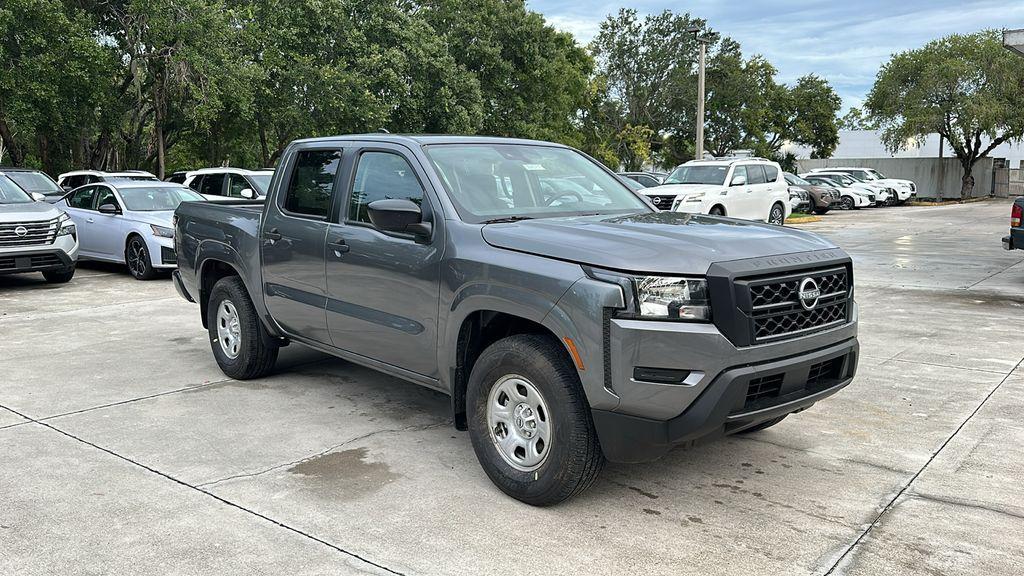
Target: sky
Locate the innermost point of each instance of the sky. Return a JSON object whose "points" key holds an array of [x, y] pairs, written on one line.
{"points": [[844, 41]]}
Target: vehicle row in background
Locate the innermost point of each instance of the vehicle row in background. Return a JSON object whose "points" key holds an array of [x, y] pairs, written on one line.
{"points": [[68, 181]]}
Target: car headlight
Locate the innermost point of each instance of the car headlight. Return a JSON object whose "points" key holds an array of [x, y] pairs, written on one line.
{"points": [[65, 226], [672, 298], [162, 232], [695, 197]]}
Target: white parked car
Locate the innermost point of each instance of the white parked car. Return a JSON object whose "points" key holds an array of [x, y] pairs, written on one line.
{"points": [[71, 180], [128, 222], [884, 195], [905, 189], [852, 196], [749, 188], [214, 183]]}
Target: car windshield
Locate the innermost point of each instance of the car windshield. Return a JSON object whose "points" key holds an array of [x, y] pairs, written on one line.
{"points": [[795, 180], [10, 193], [35, 182], [156, 199], [878, 175], [507, 181], [262, 181], [698, 175]]}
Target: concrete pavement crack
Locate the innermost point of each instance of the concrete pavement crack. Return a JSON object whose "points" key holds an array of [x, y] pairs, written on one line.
{"points": [[220, 499], [321, 453], [851, 548], [965, 504]]}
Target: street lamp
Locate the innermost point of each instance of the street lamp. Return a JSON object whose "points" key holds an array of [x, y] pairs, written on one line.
{"points": [[703, 41]]}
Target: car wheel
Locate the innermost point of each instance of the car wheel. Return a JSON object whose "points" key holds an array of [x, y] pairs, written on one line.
{"points": [[717, 211], [777, 215], [848, 203], [59, 276], [821, 211], [136, 255], [763, 425], [530, 422], [237, 336]]}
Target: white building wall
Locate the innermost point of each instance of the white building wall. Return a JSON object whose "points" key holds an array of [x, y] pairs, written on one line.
{"points": [[868, 144]]}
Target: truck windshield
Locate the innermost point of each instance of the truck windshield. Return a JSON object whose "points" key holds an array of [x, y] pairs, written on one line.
{"points": [[36, 182], [10, 193], [156, 199], [509, 181], [698, 175]]}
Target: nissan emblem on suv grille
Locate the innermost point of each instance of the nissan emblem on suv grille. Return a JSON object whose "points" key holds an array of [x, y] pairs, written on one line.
{"points": [[21, 231], [808, 293]]}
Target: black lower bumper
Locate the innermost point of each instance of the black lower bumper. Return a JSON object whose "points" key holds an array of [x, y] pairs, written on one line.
{"points": [[734, 401], [1015, 241], [35, 261], [179, 286]]}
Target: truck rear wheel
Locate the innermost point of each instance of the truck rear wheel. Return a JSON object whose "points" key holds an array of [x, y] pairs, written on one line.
{"points": [[530, 422], [241, 348]]}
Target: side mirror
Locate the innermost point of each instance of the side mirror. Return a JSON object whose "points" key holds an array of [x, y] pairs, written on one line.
{"points": [[108, 209], [248, 193], [738, 180], [398, 215], [38, 197]]}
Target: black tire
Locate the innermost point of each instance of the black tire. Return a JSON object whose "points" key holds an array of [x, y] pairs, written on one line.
{"points": [[717, 211], [136, 256], [763, 425], [59, 276], [256, 353], [777, 215], [848, 203], [821, 211], [573, 457]]}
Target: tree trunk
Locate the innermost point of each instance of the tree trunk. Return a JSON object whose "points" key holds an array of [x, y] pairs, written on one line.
{"points": [[17, 158], [44, 153], [967, 182]]}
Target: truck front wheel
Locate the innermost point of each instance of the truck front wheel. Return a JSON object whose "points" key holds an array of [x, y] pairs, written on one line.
{"points": [[530, 422], [241, 349]]}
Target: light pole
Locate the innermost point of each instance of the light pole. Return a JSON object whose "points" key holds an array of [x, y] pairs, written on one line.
{"points": [[703, 42]]}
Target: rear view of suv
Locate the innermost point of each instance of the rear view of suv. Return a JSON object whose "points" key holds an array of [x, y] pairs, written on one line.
{"points": [[35, 236], [748, 188]]}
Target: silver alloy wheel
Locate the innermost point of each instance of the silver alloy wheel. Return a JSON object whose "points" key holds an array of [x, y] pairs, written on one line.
{"points": [[229, 331], [776, 216], [520, 422]]}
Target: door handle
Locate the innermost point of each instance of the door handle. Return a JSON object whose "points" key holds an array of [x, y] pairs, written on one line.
{"points": [[273, 235], [339, 247], [89, 220]]}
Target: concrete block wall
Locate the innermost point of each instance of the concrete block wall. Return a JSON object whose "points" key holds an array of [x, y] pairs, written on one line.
{"points": [[935, 177]]}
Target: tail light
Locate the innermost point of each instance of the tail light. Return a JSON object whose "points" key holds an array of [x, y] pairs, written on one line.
{"points": [[1015, 215]]}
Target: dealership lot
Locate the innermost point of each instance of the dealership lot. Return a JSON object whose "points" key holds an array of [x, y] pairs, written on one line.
{"points": [[123, 449]]}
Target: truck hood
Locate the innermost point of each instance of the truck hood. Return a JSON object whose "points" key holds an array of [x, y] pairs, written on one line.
{"points": [[662, 242], [28, 212], [678, 189]]}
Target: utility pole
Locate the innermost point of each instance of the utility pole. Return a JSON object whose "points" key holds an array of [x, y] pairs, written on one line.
{"points": [[703, 42]]}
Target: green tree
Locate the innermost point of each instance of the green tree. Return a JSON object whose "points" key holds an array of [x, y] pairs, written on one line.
{"points": [[737, 98], [805, 114], [967, 88], [52, 75], [857, 119], [649, 67]]}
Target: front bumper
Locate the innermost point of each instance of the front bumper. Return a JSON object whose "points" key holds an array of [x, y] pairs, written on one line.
{"points": [[724, 406], [38, 260]]}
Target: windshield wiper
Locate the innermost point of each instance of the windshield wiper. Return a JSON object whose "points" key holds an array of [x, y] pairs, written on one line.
{"points": [[507, 219]]}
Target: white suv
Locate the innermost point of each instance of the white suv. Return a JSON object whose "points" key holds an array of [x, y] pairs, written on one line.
{"points": [[749, 188], [214, 183]]}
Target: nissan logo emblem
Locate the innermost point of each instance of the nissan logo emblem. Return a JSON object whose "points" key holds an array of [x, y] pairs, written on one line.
{"points": [[808, 293], [21, 231], [656, 200]]}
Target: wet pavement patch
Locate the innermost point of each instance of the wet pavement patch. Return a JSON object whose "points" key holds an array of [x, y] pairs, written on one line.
{"points": [[346, 474]]}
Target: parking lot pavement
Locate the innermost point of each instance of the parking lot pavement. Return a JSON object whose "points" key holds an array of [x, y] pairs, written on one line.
{"points": [[123, 449]]}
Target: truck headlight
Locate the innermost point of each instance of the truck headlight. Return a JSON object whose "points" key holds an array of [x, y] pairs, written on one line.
{"points": [[696, 197], [672, 298], [162, 232]]}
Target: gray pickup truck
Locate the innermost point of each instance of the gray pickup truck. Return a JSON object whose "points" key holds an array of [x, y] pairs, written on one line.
{"points": [[569, 321]]}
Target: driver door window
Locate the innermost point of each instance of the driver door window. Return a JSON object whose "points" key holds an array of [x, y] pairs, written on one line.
{"points": [[380, 176], [236, 184], [105, 196], [83, 199]]}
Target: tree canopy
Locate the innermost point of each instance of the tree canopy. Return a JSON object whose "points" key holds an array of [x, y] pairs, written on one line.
{"points": [[967, 88]]}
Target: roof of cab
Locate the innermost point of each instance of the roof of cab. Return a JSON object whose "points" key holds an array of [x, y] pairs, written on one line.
{"points": [[426, 139]]}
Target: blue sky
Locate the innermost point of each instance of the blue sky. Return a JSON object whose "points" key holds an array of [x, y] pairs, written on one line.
{"points": [[842, 41]]}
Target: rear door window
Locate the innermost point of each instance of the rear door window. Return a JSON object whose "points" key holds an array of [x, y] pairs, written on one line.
{"points": [[755, 175], [213, 185], [311, 187], [771, 172], [196, 183]]}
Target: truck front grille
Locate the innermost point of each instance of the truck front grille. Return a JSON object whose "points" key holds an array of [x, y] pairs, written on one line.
{"points": [[776, 311], [663, 201], [14, 234]]}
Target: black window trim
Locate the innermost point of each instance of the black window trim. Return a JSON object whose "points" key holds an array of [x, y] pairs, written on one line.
{"points": [[426, 207], [285, 184]]}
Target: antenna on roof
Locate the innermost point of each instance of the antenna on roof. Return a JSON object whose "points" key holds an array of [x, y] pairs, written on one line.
{"points": [[384, 131]]}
